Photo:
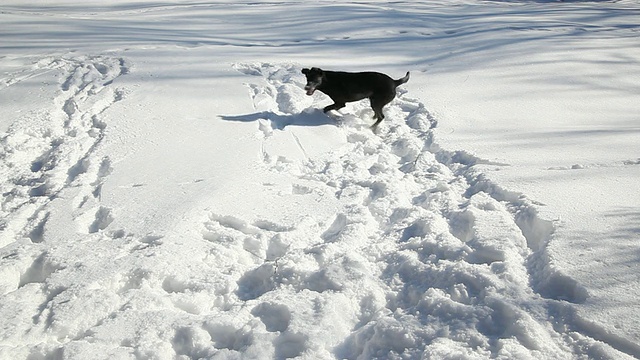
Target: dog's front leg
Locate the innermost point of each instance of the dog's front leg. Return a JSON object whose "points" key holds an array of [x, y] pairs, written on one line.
{"points": [[334, 106]]}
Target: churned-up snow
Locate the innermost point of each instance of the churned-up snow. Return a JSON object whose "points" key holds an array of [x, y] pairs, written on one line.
{"points": [[170, 192]]}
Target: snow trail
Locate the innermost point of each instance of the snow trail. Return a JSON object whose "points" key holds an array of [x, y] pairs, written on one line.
{"points": [[422, 239], [51, 150]]}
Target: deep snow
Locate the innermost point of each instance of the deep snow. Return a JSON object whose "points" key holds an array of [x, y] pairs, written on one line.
{"points": [[170, 192]]}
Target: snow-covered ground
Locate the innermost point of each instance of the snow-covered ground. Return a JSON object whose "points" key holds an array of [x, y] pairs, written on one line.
{"points": [[170, 192]]}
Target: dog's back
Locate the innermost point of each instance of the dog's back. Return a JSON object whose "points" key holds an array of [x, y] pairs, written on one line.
{"points": [[357, 86], [348, 87]]}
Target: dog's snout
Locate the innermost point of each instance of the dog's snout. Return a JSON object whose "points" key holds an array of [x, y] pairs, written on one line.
{"points": [[310, 87]]}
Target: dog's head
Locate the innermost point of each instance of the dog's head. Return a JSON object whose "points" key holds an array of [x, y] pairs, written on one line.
{"points": [[314, 79]]}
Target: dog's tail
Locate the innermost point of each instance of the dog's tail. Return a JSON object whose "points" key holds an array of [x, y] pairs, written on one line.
{"points": [[402, 81]]}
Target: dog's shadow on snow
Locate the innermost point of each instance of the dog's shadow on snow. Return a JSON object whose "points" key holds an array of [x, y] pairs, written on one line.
{"points": [[308, 117]]}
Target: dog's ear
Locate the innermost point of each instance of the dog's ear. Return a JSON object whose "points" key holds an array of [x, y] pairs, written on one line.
{"points": [[305, 71], [317, 70]]}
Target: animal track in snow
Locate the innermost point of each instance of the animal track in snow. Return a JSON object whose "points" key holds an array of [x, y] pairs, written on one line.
{"points": [[21, 269], [274, 316], [39, 271], [61, 141], [103, 218], [630, 162]]}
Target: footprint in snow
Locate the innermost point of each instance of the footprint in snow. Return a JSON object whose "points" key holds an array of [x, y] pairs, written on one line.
{"points": [[62, 147]]}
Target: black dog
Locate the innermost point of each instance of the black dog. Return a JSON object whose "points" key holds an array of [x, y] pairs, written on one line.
{"points": [[343, 87]]}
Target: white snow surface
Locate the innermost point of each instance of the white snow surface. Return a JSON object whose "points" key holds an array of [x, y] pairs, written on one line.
{"points": [[170, 192]]}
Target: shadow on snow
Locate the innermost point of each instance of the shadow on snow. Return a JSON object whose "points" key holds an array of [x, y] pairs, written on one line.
{"points": [[309, 117]]}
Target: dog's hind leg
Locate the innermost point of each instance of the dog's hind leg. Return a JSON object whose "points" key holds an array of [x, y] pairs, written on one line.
{"points": [[379, 116], [377, 104]]}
